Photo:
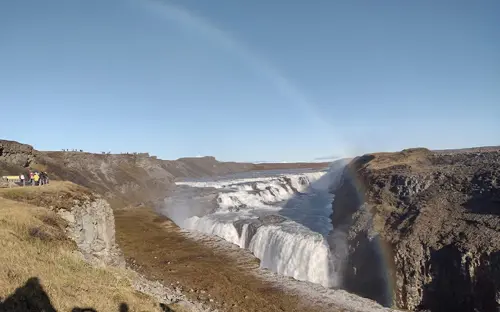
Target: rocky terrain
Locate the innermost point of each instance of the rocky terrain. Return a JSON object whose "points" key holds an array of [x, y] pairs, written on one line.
{"points": [[420, 230], [220, 274], [186, 273], [124, 179], [89, 218], [62, 236]]}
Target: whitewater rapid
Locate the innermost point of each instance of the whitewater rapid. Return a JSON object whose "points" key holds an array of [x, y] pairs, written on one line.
{"points": [[281, 217]]}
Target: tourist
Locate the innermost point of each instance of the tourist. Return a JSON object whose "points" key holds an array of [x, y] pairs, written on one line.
{"points": [[36, 179], [45, 177], [21, 178]]}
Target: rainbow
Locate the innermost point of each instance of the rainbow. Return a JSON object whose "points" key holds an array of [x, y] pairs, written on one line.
{"points": [[283, 86], [184, 18], [383, 250]]}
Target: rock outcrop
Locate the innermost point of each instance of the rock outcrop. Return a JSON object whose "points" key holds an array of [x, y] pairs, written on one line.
{"points": [[123, 179], [91, 225], [421, 230], [89, 219], [14, 156]]}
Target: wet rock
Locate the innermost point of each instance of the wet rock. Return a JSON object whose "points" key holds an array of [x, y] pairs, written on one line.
{"points": [[272, 219], [253, 225]]}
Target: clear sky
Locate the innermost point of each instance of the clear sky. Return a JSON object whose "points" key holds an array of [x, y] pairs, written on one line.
{"points": [[256, 80]]}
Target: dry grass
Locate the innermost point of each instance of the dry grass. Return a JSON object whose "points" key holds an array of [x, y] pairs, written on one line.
{"points": [[33, 244], [56, 195], [407, 158]]}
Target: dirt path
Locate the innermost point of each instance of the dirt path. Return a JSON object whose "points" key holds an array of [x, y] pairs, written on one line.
{"points": [[155, 247]]}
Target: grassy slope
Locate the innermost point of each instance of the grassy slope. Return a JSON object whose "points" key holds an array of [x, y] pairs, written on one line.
{"points": [[33, 244], [56, 195]]}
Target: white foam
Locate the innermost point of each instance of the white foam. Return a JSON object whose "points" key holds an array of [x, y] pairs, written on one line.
{"points": [[244, 183], [262, 194], [222, 183], [243, 238], [299, 253], [211, 225], [287, 248]]}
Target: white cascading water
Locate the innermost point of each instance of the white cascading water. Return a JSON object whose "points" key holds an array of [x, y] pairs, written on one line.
{"points": [[302, 255], [211, 225], [283, 219]]}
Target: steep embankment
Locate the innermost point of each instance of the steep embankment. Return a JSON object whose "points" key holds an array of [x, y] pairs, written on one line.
{"points": [[14, 157], [43, 269], [124, 179], [59, 241], [422, 229]]}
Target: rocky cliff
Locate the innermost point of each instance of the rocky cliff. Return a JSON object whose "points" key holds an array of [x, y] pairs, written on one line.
{"points": [[89, 219], [91, 225], [51, 234], [14, 156], [122, 178], [421, 230]]}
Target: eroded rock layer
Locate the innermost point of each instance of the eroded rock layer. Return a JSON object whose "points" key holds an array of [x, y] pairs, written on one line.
{"points": [[421, 230]]}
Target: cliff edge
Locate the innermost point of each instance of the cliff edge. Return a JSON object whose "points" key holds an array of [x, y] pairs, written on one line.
{"points": [[49, 235], [123, 179], [420, 230]]}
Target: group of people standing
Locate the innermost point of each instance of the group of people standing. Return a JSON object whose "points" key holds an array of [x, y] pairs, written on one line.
{"points": [[35, 178]]}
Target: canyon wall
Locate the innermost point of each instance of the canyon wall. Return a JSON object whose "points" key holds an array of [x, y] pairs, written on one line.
{"points": [[123, 179], [420, 230]]}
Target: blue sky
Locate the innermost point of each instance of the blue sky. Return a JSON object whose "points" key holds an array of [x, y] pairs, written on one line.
{"points": [[250, 80]]}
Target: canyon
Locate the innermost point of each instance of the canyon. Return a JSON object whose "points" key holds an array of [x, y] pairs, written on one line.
{"points": [[416, 230]]}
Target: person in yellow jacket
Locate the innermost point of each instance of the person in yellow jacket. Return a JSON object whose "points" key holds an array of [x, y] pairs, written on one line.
{"points": [[36, 178]]}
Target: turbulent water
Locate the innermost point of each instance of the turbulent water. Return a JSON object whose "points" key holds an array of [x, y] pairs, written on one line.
{"points": [[281, 216]]}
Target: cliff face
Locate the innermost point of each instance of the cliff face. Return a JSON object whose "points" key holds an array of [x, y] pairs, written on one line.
{"points": [[89, 219], [123, 179], [41, 267], [421, 229], [91, 225]]}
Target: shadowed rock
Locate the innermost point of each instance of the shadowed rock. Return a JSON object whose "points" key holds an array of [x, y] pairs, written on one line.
{"points": [[271, 219], [422, 229]]}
